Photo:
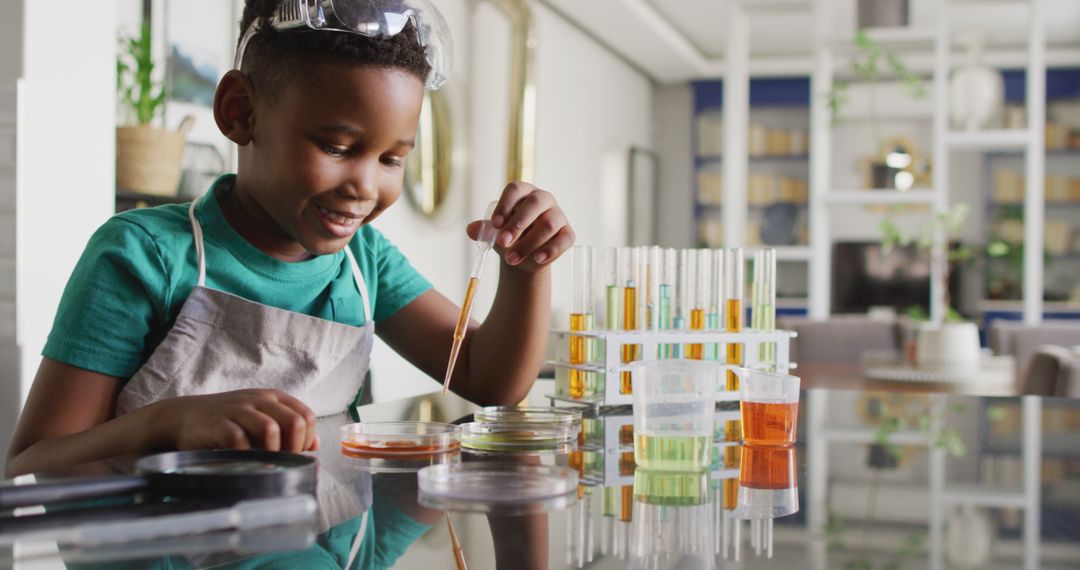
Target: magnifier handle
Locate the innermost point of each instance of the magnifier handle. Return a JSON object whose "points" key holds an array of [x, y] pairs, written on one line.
{"points": [[65, 491]]}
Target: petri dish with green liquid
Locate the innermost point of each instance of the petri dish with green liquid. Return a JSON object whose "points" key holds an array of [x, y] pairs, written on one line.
{"points": [[507, 436]]}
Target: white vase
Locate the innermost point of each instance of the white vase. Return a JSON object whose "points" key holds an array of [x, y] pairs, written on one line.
{"points": [[969, 537], [976, 92], [950, 346]]}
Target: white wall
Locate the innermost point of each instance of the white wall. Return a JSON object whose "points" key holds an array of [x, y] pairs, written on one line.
{"points": [[11, 50], [673, 110], [591, 108], [65, 160]]}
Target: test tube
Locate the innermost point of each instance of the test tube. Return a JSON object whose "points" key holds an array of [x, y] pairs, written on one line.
{"points": [[733, 289], [702, 272], [682, 297], [714, 317], [629, 267], [667, 290], [581, 313], [614, 290], [768, 306], [654, 275]]}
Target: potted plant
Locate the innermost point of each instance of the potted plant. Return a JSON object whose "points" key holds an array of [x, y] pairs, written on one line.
{"points": [[148, 158], [952, 343]]}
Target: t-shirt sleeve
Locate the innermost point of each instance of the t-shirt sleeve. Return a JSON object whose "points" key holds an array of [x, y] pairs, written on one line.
{"points": [[398, 282], [114, 296]]}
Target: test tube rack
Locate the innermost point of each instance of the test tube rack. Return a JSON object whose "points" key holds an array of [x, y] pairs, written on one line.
{"points": [[607, 357]]}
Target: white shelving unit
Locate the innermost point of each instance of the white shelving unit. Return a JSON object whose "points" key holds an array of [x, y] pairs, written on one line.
{"points": [[824, 197]]}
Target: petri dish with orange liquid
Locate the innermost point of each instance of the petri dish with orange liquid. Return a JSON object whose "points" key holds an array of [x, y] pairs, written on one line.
{"points": [[399, 440]]}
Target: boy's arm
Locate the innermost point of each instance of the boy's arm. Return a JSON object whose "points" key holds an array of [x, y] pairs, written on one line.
{"points": [[68, 420], [499, 359]]}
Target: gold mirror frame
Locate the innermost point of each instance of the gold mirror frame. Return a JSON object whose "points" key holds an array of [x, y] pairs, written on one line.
{"points": [[429, 168]]}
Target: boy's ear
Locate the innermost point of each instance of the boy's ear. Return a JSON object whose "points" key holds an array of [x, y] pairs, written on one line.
{"points": [[234, 107]]}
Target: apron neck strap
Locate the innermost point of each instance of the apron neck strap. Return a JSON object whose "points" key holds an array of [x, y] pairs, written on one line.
{"points": [[200, 249]]}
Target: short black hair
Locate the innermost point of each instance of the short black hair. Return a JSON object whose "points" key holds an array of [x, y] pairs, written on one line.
{"points": [[273, 57]]}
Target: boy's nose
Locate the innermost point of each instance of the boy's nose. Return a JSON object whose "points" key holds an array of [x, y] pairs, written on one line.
{"points": [[365, 180]]}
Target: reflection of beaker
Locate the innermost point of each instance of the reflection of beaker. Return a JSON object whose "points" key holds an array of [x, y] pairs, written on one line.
{"points": [[673, 524], [768, 487]]}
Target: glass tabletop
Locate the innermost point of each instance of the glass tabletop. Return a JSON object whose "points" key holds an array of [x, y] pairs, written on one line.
{"points": [[875, 480]]}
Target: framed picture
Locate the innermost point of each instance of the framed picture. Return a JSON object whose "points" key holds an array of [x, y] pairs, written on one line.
{"points": [[197, 39]]}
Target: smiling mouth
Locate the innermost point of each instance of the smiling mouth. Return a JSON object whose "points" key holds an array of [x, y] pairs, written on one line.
{"points": [[338, 217]]}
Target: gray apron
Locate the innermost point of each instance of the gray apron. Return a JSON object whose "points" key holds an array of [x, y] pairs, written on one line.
{"points": [[221, 342]]}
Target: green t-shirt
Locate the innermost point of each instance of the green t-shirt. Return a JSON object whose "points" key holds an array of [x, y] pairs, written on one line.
{"points": [[139, 267]]}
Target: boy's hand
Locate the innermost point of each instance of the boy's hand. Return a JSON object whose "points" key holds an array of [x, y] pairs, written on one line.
{"points": [[533, 230], [243, 419]]}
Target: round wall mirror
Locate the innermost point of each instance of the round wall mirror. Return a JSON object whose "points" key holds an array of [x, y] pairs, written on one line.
{"points": [[428, 167]]}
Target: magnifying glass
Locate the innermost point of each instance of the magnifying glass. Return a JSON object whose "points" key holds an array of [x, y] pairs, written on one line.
{"points": [[234, 475]]}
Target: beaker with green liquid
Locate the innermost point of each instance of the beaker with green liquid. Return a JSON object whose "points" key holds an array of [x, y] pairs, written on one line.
{"points": [[674, 402]]}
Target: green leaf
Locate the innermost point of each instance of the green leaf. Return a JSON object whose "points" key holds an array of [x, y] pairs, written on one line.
{"points": [[996, 413], [997, 248]]}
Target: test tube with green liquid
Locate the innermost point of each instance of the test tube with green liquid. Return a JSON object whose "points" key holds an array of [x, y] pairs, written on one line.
{"points": [[581, 314], [681, 320], [763, 312], [714, 316], [667, 286]]}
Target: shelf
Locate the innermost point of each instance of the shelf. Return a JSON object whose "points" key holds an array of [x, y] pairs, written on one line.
{"points": [[1063, 152], [792, 252], [128, 196], [984, 496], [867, 435], [899, 36], [1056, 204], [870, 197], [989, 139], [710, 158]]}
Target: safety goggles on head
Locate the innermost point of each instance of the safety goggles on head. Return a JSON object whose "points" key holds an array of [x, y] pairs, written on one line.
{"points": [[371, 18]]}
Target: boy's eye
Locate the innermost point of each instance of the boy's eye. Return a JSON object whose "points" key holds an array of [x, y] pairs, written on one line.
{"points": [[393, 160], [334, 149]]}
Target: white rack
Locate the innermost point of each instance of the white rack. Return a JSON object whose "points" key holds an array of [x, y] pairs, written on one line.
{"points": [[823, 197], [611, 367]]}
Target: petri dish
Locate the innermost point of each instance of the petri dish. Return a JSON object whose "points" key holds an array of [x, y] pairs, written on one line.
{"points": [[506, 436], [399, 439], [497, 487], [529, 415]]}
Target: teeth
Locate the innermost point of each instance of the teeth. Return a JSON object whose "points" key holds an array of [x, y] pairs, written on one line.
{"points": [[333, 216]]}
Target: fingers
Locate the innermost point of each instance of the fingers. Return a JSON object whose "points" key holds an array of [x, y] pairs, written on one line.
{"points": [[473, 230], [535, 240], [262, 430], [234, 436], [304, 412], [521, 204], [554, 248], [295, 435]]}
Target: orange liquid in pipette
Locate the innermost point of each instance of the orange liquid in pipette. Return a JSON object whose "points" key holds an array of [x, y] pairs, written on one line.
{"points": [[459, 331]]}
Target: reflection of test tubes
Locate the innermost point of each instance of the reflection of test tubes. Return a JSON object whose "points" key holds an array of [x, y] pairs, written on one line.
{"points": [[713, 318], [629, 269], [581, 313], [702, 272]]}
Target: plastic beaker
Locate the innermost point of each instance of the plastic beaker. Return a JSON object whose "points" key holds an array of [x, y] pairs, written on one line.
{"points": [[770, 407], [674, 401]]}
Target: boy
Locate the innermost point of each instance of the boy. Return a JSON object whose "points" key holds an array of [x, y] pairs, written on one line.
{"points": [[236, 320]]}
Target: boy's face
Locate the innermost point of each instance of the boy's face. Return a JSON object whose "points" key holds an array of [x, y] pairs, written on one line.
{"points": [[328, 155]]}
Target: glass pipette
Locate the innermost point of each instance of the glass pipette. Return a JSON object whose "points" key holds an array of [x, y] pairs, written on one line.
{"points": [[484, 242]]}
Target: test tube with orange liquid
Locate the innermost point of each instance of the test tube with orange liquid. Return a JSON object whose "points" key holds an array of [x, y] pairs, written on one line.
{"points": [[629, 268], [702, 269], [581, 315]]}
